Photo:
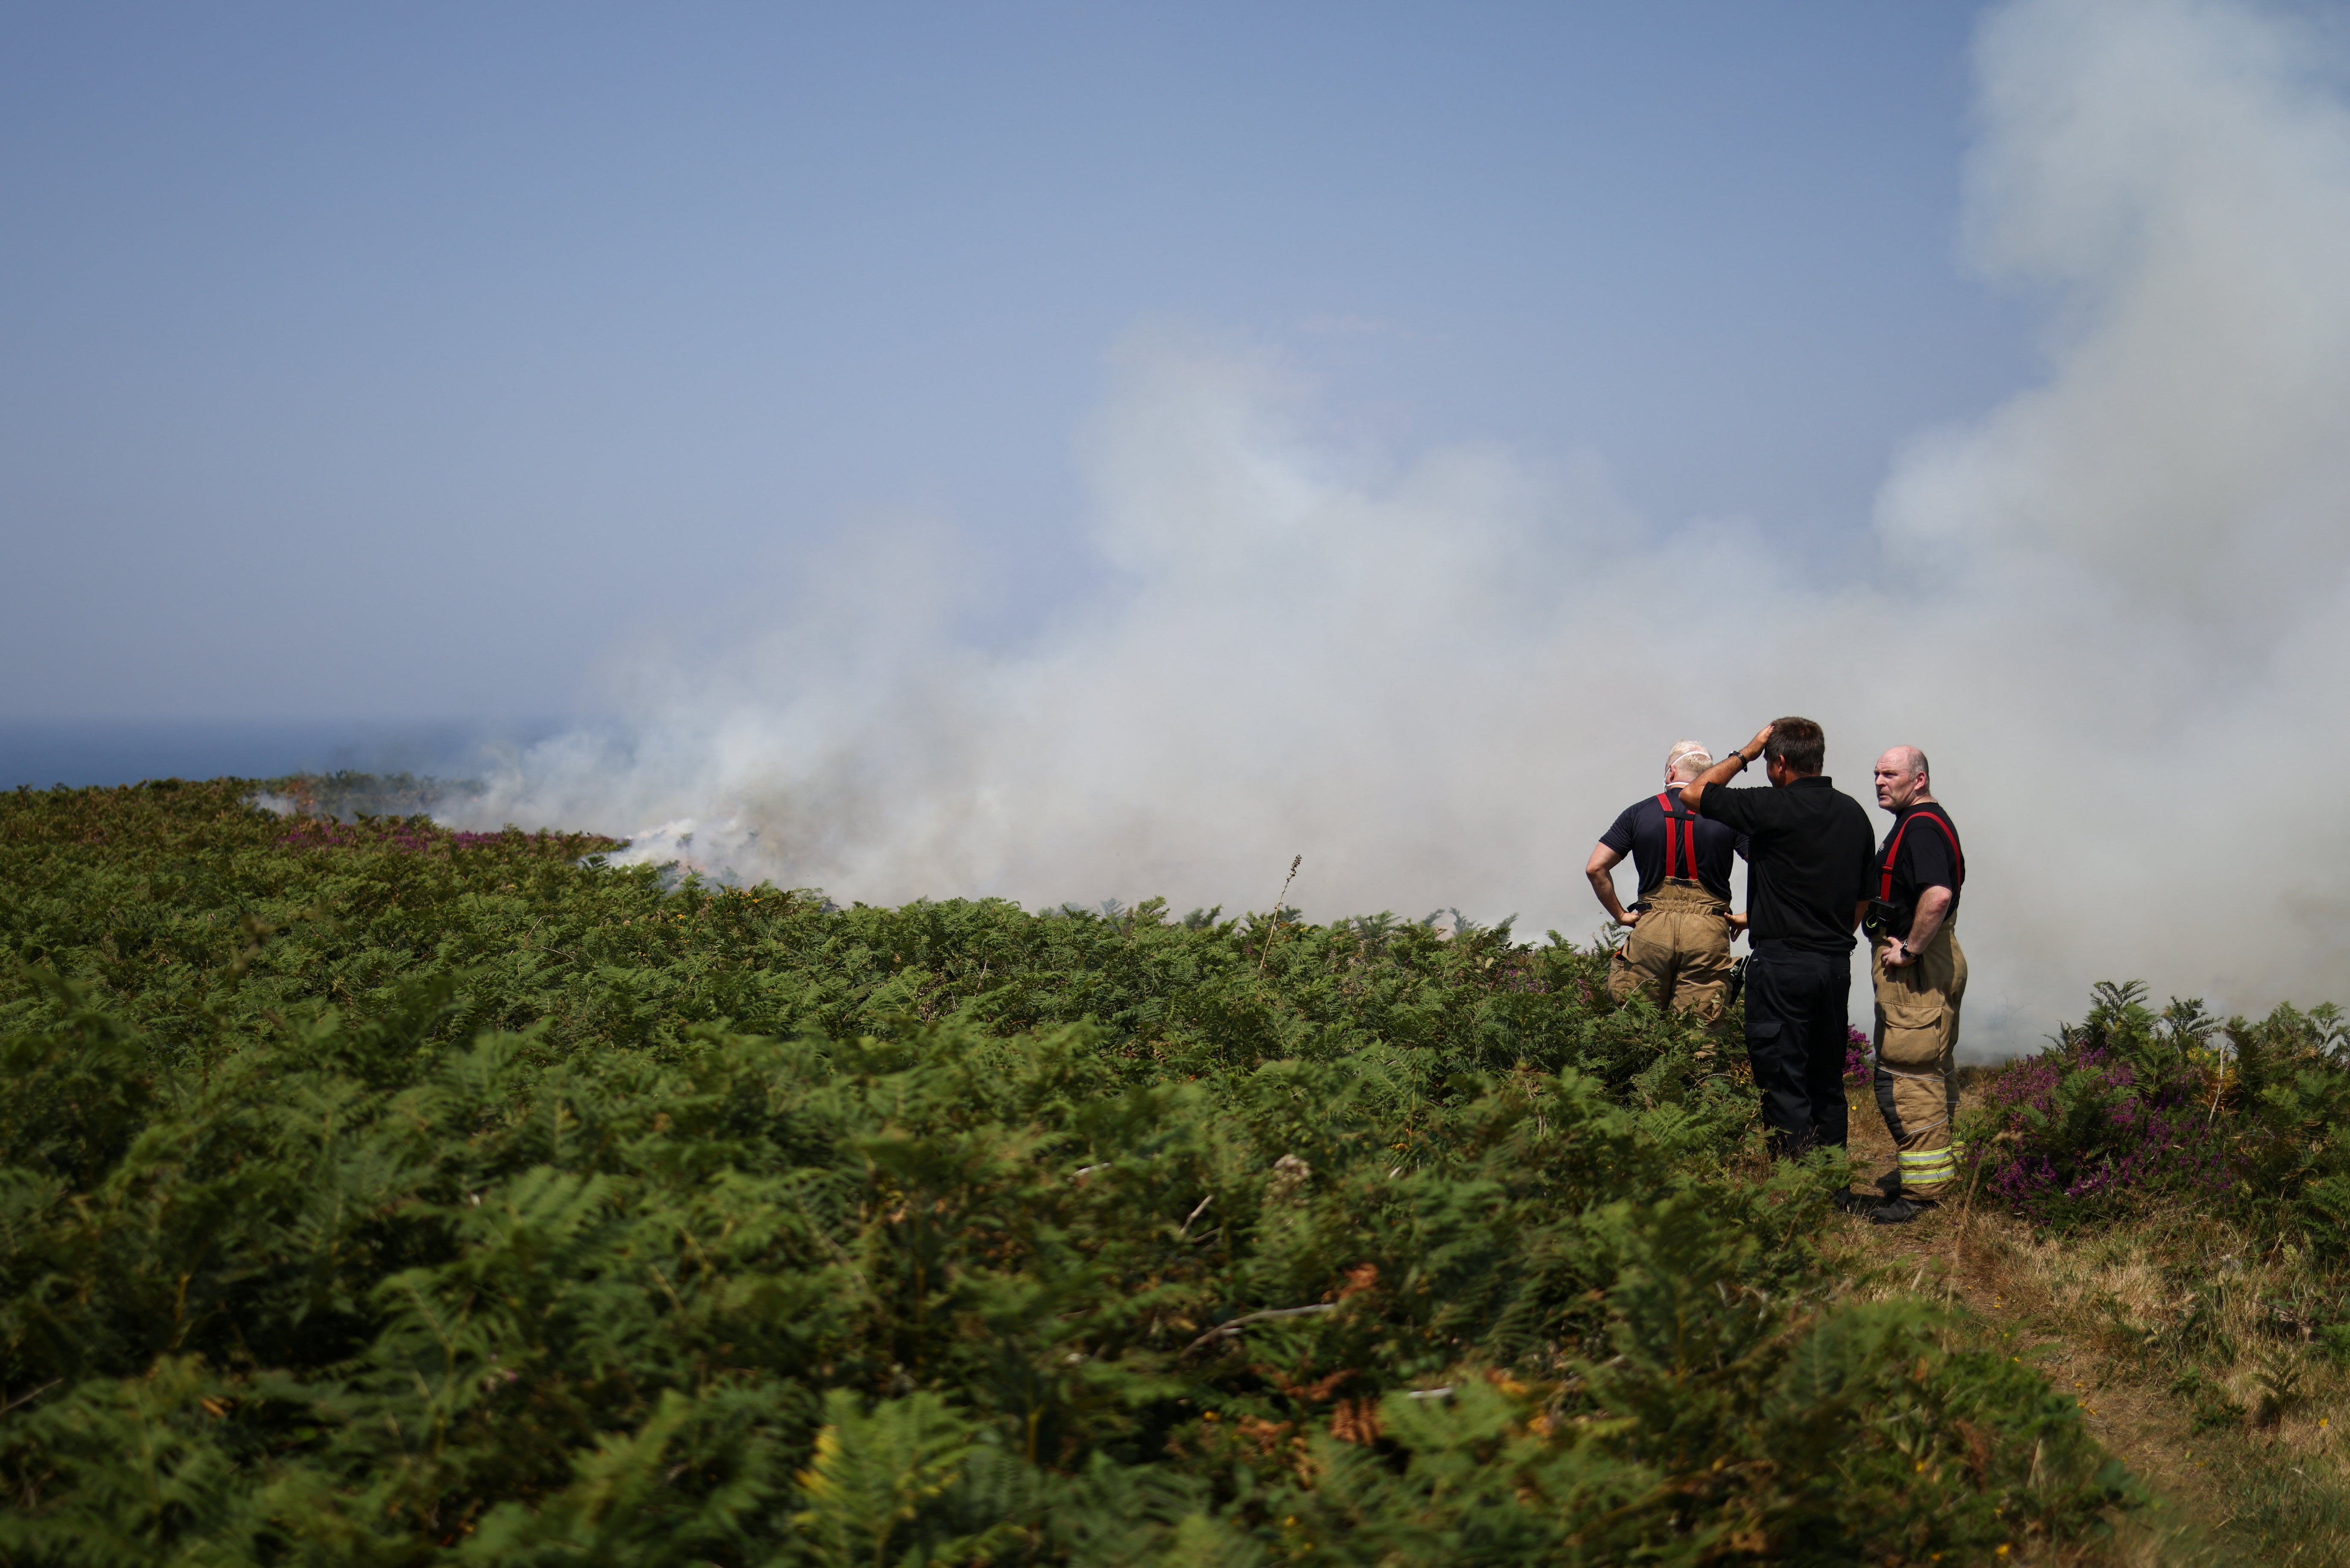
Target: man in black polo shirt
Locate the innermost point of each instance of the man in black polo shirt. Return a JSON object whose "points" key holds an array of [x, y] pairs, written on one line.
{"points": [[1808, 853], [1678, 948]]}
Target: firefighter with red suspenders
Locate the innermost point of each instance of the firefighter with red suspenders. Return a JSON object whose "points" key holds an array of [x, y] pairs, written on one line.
{"points": [[1678, 947], [1921, 978]]}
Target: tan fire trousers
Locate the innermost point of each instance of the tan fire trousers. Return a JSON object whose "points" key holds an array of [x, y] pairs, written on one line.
{"points": [[1679, 952], [1916, 1050]]}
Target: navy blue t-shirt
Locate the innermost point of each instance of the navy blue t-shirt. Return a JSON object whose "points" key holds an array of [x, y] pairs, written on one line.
{"points": [[1639, 832]]}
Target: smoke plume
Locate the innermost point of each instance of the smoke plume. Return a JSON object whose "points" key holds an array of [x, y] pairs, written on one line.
{"points": [[2110, 610]]}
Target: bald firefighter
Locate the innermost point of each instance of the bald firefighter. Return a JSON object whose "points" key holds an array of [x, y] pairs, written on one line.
{"points": [[1921, 978], [1679, 947]]}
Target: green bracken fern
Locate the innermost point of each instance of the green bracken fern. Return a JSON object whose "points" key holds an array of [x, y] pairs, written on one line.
{"points": [[389, 1196]]}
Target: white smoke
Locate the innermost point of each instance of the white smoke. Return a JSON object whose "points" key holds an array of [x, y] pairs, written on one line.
{"points": [[2110, 611]]}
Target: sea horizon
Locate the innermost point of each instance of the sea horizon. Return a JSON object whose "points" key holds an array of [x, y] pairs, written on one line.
{"points": [[47, 752]]}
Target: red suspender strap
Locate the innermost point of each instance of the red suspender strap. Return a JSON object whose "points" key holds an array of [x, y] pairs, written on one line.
{"points": [[1892, 853], [1959, 857], [1687, 839]]}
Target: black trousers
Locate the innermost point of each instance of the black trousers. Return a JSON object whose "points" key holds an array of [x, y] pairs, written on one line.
{"points": [[1797, 1005]]}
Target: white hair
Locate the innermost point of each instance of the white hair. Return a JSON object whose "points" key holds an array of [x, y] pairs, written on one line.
{"points": [[1686, 751]]}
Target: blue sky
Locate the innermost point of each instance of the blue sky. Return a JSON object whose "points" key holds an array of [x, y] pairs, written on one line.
{"points": [[400, 363]]}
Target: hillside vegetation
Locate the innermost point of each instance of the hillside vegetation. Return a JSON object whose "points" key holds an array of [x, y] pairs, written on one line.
{"points": [[2162, 1217], [372, 1193]]}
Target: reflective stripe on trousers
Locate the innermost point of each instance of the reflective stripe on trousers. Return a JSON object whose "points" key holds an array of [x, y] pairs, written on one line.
{"points": [[1916, 1048]]}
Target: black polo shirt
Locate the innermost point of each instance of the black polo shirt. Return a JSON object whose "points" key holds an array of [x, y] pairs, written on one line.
{"points": [[1929, 859], [1640, 831], [1811, 858]]}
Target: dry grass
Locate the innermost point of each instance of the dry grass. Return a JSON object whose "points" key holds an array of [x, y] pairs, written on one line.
{"points": [[2189, 1354]]}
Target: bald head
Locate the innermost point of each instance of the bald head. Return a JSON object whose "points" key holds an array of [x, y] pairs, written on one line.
{"points": [[1902, 780], [1686, 760]]}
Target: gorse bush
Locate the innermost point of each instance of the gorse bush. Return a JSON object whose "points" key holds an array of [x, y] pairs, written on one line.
{"points": [[375, 1194], [2249, 1120]]}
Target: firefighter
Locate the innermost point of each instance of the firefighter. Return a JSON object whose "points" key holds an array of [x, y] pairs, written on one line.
{"points": [[1807, 884], [1921, 978], [1678, 947]]}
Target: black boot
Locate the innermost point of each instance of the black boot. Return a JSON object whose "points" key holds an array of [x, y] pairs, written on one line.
{"points": [[1851, 1202], [1897, 1210]]}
